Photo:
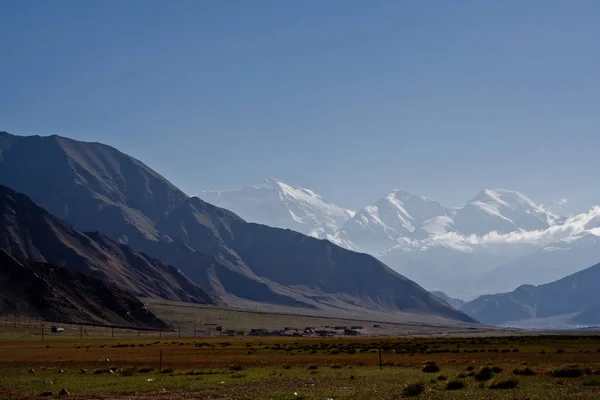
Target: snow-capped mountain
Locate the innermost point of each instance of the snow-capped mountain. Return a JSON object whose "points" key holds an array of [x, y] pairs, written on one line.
{"points": [[281, 205], [502, 211], [396, 216], [497, 241]]}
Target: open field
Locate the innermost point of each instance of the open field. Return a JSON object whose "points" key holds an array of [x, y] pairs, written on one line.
{"points": [[557, 367], [193, 320]]}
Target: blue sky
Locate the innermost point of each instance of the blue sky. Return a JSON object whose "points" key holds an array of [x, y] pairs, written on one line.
{"points": [[349, 98]]}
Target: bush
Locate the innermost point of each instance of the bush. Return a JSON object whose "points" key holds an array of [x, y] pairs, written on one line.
{"points": [[336, 366], [442, 378], [560, 351], [431, 368], [145, 370], [507, 384], [235, 367], [455, 385], [567, 372], [497, 370], [413, 389], [484, 374], [525, 372], [461, 376], [167, 371], [470, 368], [312, 366], [286, 366]]}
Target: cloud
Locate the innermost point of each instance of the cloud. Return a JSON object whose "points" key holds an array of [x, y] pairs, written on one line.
{"points": [[588, 222]]}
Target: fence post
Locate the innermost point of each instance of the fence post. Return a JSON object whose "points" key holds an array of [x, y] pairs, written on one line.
{"points": [[380, 362], [160, 362], [42, 331]]}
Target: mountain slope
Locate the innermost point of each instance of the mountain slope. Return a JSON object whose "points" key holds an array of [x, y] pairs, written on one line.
{"points": [[214, 247], [397, 215], [501, 211], [275, 203], [548, 264], [454, 302], [572, 294], [44, 290], [29, 232]]}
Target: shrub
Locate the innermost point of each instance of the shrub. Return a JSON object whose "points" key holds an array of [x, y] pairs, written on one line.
{"points": [[470, 368], [461, 376], [235, 367], [167, 371], [413, 389], [455, 385], [484, 374], [145, 370], [507, 384], [312, 366], [526, 372], [286, 366], [560, 351], [336, 366], [497, 370], [442, 378], [567, 372], [431, 368]]}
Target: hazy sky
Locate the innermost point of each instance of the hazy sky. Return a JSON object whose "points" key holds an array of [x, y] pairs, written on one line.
{"points": [[349, 98]]}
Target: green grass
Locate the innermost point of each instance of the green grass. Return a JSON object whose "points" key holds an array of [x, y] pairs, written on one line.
{"points": [[221, 368]]}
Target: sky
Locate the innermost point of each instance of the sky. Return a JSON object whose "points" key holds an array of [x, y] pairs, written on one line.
{"points": [[348, 98]]}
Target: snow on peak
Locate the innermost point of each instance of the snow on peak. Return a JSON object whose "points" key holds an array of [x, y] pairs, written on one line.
{"points": [[276, 203]]}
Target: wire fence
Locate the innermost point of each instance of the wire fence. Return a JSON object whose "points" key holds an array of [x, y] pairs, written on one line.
{"points": [[19, 325]]}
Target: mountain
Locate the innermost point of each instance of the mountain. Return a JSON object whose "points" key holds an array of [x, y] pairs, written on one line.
{"points": [[275, 203], [236, 260], [397, 215], [44, 290], [454, 302], [551, 262], [29, 232], [502, 211], [575, 297], [499, 240]]}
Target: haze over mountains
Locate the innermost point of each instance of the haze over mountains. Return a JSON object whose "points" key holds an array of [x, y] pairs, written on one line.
{"points": [[97, 188], [571, 301], [466, 251]]}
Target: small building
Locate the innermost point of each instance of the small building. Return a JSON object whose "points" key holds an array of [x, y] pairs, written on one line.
{"points": [[57, 329]]}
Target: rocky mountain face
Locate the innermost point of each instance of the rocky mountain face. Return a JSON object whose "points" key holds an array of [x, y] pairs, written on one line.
{"points": [[30, 288], [29, 232], [575, 296], [99, 188]]}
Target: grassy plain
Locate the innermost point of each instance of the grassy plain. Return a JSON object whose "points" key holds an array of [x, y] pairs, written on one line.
{"points": [[474, 367]]}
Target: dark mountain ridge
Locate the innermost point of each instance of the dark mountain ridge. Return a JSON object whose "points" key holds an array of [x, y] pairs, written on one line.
{"points": [[577, 293], [101, 189], [30, 232], [30, 288]]}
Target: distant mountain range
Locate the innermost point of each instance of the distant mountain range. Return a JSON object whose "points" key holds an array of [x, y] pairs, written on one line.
{"points": [[97, 188], [464, 251], [571, 301]]}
